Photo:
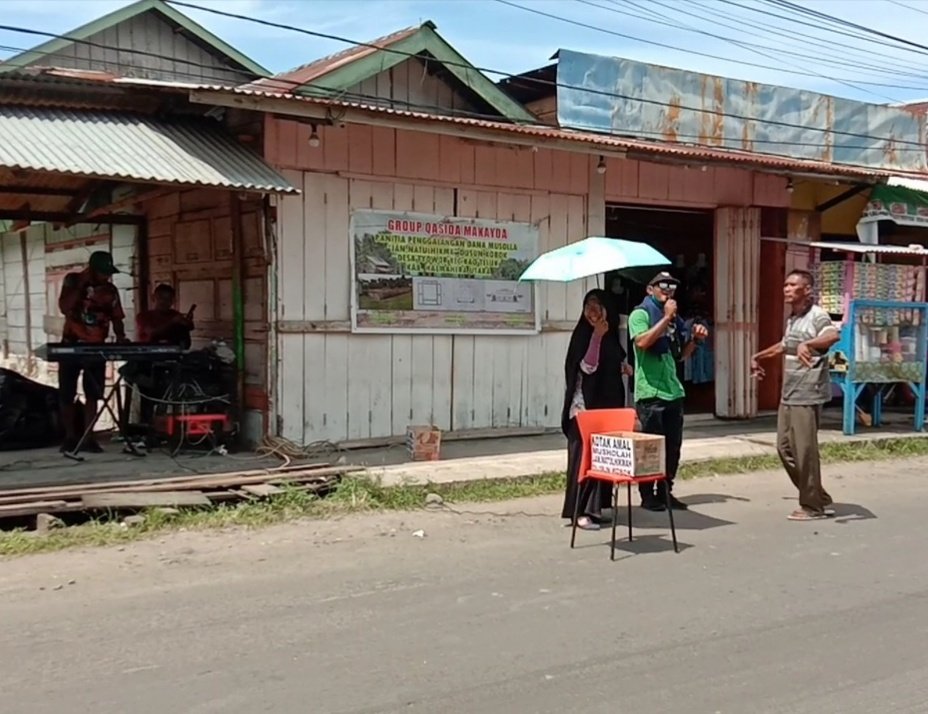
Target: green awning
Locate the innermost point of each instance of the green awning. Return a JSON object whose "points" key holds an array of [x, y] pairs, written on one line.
{"points": [[899, 204]]}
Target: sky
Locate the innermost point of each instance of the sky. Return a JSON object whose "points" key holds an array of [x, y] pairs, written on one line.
{"points": [[731, 38]]}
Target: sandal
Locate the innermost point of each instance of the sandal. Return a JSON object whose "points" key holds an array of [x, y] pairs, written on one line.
{"points": [[585, 523], [804, 515]]}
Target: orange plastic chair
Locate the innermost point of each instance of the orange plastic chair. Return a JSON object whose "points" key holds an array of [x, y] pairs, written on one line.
{"points": [[600, 421]]}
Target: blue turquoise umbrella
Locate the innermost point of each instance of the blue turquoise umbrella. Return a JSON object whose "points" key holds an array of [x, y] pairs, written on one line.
{"points": [[592, 256]]}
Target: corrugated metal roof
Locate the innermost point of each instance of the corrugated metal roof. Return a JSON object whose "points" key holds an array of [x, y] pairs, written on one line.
{"points": [[131, 147], [680, 151], [913, 249], [911, 183], [299, 76]]}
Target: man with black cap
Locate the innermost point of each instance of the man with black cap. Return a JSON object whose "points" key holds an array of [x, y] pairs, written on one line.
{"points": [[90, 304], [660, 342]]}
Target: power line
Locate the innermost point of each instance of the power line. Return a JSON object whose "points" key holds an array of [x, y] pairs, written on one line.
{"points": [[664, 45], [762, 50], [723, 20], [336, 94], [836, 20], [909, 7], [792, 34], [818, 26], [545, 82]]}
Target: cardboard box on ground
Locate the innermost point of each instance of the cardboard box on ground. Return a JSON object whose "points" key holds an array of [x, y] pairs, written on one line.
{"points": [[627, 453]]}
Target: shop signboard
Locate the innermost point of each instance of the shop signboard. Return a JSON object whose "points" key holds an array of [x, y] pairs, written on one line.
{"points": [[419, 273]]}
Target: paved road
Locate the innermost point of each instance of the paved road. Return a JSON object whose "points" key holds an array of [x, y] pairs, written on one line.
{"points": [[493, 614]]}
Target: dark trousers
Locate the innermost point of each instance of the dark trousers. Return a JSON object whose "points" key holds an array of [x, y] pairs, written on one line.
{"points": [[664, 418], [594, 495], [797, 446]]}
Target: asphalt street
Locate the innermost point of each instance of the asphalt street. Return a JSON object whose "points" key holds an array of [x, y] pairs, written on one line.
{"points": [[492, 613]]}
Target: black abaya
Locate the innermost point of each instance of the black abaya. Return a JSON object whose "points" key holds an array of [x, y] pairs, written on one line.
{"points": [[603, 389]]}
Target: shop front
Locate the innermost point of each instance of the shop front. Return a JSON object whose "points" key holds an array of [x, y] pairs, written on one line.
{"points": [[175, 201]]}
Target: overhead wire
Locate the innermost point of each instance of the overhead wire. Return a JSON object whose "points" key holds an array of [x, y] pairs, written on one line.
{"points": [[909, 7], [762, 50], [371, 100], [552, 83], [818, 26], [823, 16], [795, 36], [333, 94], [845, 60], [664, 45]]}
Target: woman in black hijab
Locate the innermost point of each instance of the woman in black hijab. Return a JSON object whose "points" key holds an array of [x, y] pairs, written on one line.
{"points": [[593, 371]]}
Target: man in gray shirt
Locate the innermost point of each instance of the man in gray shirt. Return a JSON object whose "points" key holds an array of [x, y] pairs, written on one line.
{"points": [[809, 335]]}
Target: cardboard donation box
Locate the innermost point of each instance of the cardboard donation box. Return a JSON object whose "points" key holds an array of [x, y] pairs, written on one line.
{"points": [[627, 453], [423, 443]]}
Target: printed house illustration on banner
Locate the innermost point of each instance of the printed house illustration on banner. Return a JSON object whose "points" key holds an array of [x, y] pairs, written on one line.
{"points": [[627, 453]]}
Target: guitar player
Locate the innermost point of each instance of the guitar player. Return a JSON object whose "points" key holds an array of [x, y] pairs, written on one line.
{"points": [[162, 324]]}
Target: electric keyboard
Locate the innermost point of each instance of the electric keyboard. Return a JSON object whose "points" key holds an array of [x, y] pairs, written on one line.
{"points": [[108, 352]]}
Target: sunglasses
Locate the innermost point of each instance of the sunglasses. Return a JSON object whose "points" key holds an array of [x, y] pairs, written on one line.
{"points": [[666, 287]]}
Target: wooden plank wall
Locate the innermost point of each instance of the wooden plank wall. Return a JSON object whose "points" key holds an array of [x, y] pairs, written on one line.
{"points": [[370, 386], [737, 261], [24, 299], [190, 247], [171, 55], [409, 85], [338, 386]]}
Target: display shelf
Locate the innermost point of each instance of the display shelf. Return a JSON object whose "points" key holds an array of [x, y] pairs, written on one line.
{"points": [[882, 342], [839, 282]]}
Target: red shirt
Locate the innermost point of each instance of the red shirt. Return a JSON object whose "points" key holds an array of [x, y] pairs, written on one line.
{"points": [[97, 305], [150, 322]]}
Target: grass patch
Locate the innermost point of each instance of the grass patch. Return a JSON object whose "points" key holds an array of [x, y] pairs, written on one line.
{"points": [[363, 494]]}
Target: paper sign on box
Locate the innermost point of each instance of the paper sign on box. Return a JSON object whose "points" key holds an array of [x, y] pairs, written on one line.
{"points": [[627, 453]]}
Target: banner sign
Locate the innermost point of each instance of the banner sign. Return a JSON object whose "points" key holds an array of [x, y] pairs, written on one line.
{"points": [[421, 273]]}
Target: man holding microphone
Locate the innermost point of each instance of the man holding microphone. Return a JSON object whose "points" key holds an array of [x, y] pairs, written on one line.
{"points": [[661, 342]]}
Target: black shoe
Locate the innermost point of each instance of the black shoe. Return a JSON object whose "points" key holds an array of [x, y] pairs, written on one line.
{"points": [[678, 505], [652, 503]]}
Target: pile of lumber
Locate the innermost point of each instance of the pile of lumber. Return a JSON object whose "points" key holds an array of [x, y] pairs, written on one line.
{"points": [[169, 491]]}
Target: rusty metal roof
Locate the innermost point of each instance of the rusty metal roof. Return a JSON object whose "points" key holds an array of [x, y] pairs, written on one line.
{"points": [[291, 79], [680, 152], [131, 147]]}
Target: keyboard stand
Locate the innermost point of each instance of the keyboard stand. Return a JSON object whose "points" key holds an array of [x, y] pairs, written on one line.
{"points": [[113, 395]]}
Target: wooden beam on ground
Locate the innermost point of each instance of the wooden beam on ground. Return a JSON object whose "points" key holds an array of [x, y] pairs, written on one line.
{"points": [[262, 490], [180, 483], [144, 499]]}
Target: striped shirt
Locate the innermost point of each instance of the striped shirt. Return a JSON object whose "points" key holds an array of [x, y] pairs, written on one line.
{"points": [[806, 386]]}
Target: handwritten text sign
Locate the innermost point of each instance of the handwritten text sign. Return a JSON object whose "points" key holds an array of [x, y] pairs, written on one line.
{"points": [[631, 454]]}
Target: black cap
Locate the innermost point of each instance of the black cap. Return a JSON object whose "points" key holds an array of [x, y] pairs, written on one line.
{"points": [[102, 262], [663, 277]]}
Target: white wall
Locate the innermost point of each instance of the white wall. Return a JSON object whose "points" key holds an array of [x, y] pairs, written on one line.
{"points": [[51, 254], [339, 386]]}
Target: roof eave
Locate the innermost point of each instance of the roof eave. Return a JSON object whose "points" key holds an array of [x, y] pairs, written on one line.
{"points": [[535, 134], [129, 11], [425, 39]]}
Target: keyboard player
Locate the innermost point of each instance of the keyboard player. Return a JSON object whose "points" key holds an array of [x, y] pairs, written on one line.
{"points": [[90, 304]]}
